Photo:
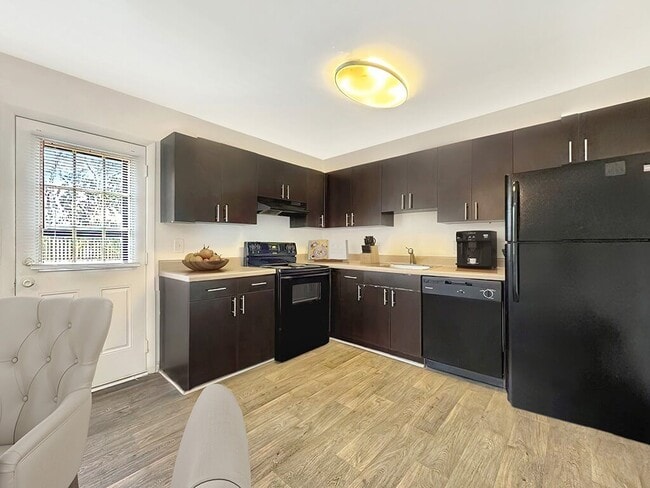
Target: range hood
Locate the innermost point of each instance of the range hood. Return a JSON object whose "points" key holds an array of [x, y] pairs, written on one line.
{"points": [[284, 208]]}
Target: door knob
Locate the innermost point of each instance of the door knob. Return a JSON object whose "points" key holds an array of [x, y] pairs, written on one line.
{"points": [[28, 282]]}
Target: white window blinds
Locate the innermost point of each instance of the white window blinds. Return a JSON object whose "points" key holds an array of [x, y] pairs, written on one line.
{"points": [[87, 206]]}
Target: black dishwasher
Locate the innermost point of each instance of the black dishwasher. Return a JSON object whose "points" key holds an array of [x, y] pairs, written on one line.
{"points": [[462, 328]]}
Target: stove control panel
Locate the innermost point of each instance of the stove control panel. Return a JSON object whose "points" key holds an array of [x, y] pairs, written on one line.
{"points": [[269, 248]]}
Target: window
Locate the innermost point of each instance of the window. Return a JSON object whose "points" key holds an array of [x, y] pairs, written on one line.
{"points": [[87, 207]]}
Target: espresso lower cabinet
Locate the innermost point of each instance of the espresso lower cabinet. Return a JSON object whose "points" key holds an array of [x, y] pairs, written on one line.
{"points": [[378, 310], [214, 328], [346, 304]]}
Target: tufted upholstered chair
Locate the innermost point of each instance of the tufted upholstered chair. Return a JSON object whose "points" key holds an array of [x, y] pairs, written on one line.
{"points": [[48, 355]]}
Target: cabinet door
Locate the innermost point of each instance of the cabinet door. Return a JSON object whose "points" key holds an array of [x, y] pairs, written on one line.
{"points": [[366, 195], [338, 198], [269, 176], [406, 322], [239, 186], [422, 180], [315, 199], [545, 145], [295, 180], [213, 340], [374, 328], [454, 182], [616, 131], [206, 175], [393, 184], [347, 307], [491, 162], [255, 328]]}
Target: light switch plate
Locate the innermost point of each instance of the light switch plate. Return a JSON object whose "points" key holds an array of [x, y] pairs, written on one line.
{"points": [[646, 168], [179, 245]]}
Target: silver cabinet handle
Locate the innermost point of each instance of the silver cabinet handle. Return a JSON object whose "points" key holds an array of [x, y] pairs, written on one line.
{"points": [[466, 209], [358, 293], [212, 290], [322, 220], [403, 199], [282, 191], [352, 219], [28, 282], [475, 210], [586, 149], [261, 283], [392, 298], [410, 200], [347, 220], [226, 212], [570, 151], [243, 304], [288, 192], [350, 277], [218, 212], [233, 311], [385, 296]]}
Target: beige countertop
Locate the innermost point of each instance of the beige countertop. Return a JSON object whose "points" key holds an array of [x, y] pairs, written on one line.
{"points": [[443, 270], [177, 271]]}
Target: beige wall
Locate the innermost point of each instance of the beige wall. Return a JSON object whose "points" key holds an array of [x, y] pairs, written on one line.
{"points": [[32, 91]]}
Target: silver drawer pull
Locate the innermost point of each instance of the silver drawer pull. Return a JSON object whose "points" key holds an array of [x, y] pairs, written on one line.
{"points": [[350, 277], [428, 287], [261, 283], [211, 290]]}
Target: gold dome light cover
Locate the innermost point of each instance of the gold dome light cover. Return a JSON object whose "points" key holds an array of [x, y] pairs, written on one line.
{"points": [[371, 84]]}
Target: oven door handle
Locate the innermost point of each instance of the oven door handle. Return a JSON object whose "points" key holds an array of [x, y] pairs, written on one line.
{"points": [[302, 277]]}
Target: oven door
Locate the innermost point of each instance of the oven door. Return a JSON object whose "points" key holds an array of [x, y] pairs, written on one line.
{"points": [[303, 314]]}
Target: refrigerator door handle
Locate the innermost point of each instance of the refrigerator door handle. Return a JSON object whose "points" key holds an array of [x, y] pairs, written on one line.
{"points": [[515, 212], [514, 263]]}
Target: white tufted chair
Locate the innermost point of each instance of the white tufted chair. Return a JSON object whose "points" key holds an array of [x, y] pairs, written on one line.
{"points": [[48, 355]]}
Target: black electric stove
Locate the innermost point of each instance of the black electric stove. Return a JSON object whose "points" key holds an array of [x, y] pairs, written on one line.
{"points": [[302, 311]]}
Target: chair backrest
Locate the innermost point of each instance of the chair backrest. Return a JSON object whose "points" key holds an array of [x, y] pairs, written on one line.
{"points": [[48, 349]]}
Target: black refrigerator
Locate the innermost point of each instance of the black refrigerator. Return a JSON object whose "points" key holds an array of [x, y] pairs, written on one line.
{"points": [[578, 301]]}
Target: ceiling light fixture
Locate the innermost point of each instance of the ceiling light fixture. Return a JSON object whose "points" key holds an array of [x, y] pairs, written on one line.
{"points": [[371, 84]]}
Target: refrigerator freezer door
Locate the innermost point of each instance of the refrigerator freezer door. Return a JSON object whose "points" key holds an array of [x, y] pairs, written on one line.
{"points": [[579, 336], [595, 200]]}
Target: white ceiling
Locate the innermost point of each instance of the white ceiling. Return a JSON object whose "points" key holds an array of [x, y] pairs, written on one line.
{"points": [[265, 68]]}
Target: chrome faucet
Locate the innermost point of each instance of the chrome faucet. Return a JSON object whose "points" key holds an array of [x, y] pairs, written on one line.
{"points": [[411, 255]]}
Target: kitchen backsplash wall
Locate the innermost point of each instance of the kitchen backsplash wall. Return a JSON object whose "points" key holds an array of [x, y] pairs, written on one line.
{"points": [[417, 230]]}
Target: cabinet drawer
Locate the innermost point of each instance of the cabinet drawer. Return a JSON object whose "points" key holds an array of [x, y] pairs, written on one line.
{"points": [[205, 290], [350, 275], [255, 283], [392, 280]]}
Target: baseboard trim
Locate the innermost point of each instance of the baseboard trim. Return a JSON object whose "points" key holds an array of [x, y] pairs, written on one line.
{"points": [[381, 353], [218, 380], [118, 382]]}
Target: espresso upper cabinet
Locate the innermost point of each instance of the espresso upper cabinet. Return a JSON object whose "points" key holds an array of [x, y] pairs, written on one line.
{"points": [[491, 162], [615, 131], [204, 181], [471, 177], [354, 197], [546, 145], [277, 179], [338, 200], [410, 182], [315, 200], [454, 182]]}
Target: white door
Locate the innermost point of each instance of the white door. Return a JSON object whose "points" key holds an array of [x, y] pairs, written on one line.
{"points": [[80, 231]]}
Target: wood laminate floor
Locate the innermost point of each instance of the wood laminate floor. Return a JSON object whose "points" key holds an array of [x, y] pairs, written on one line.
{"points": [[341, 416]]}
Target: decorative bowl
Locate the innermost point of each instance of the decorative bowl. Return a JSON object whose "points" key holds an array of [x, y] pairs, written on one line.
{"points": [[205, 265]]}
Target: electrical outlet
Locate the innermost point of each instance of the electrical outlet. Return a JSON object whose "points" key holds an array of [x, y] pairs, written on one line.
{"points": [[179, 245]]}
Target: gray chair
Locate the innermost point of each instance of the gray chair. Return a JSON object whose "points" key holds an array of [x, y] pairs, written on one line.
{"points": [[48, 355], [214, 449]]}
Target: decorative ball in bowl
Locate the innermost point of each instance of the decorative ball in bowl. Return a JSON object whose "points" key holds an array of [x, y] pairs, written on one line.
{"points": [[204, 260]]}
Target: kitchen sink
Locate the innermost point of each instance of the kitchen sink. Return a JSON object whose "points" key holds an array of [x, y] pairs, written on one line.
{"points": [[409, 266]]}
